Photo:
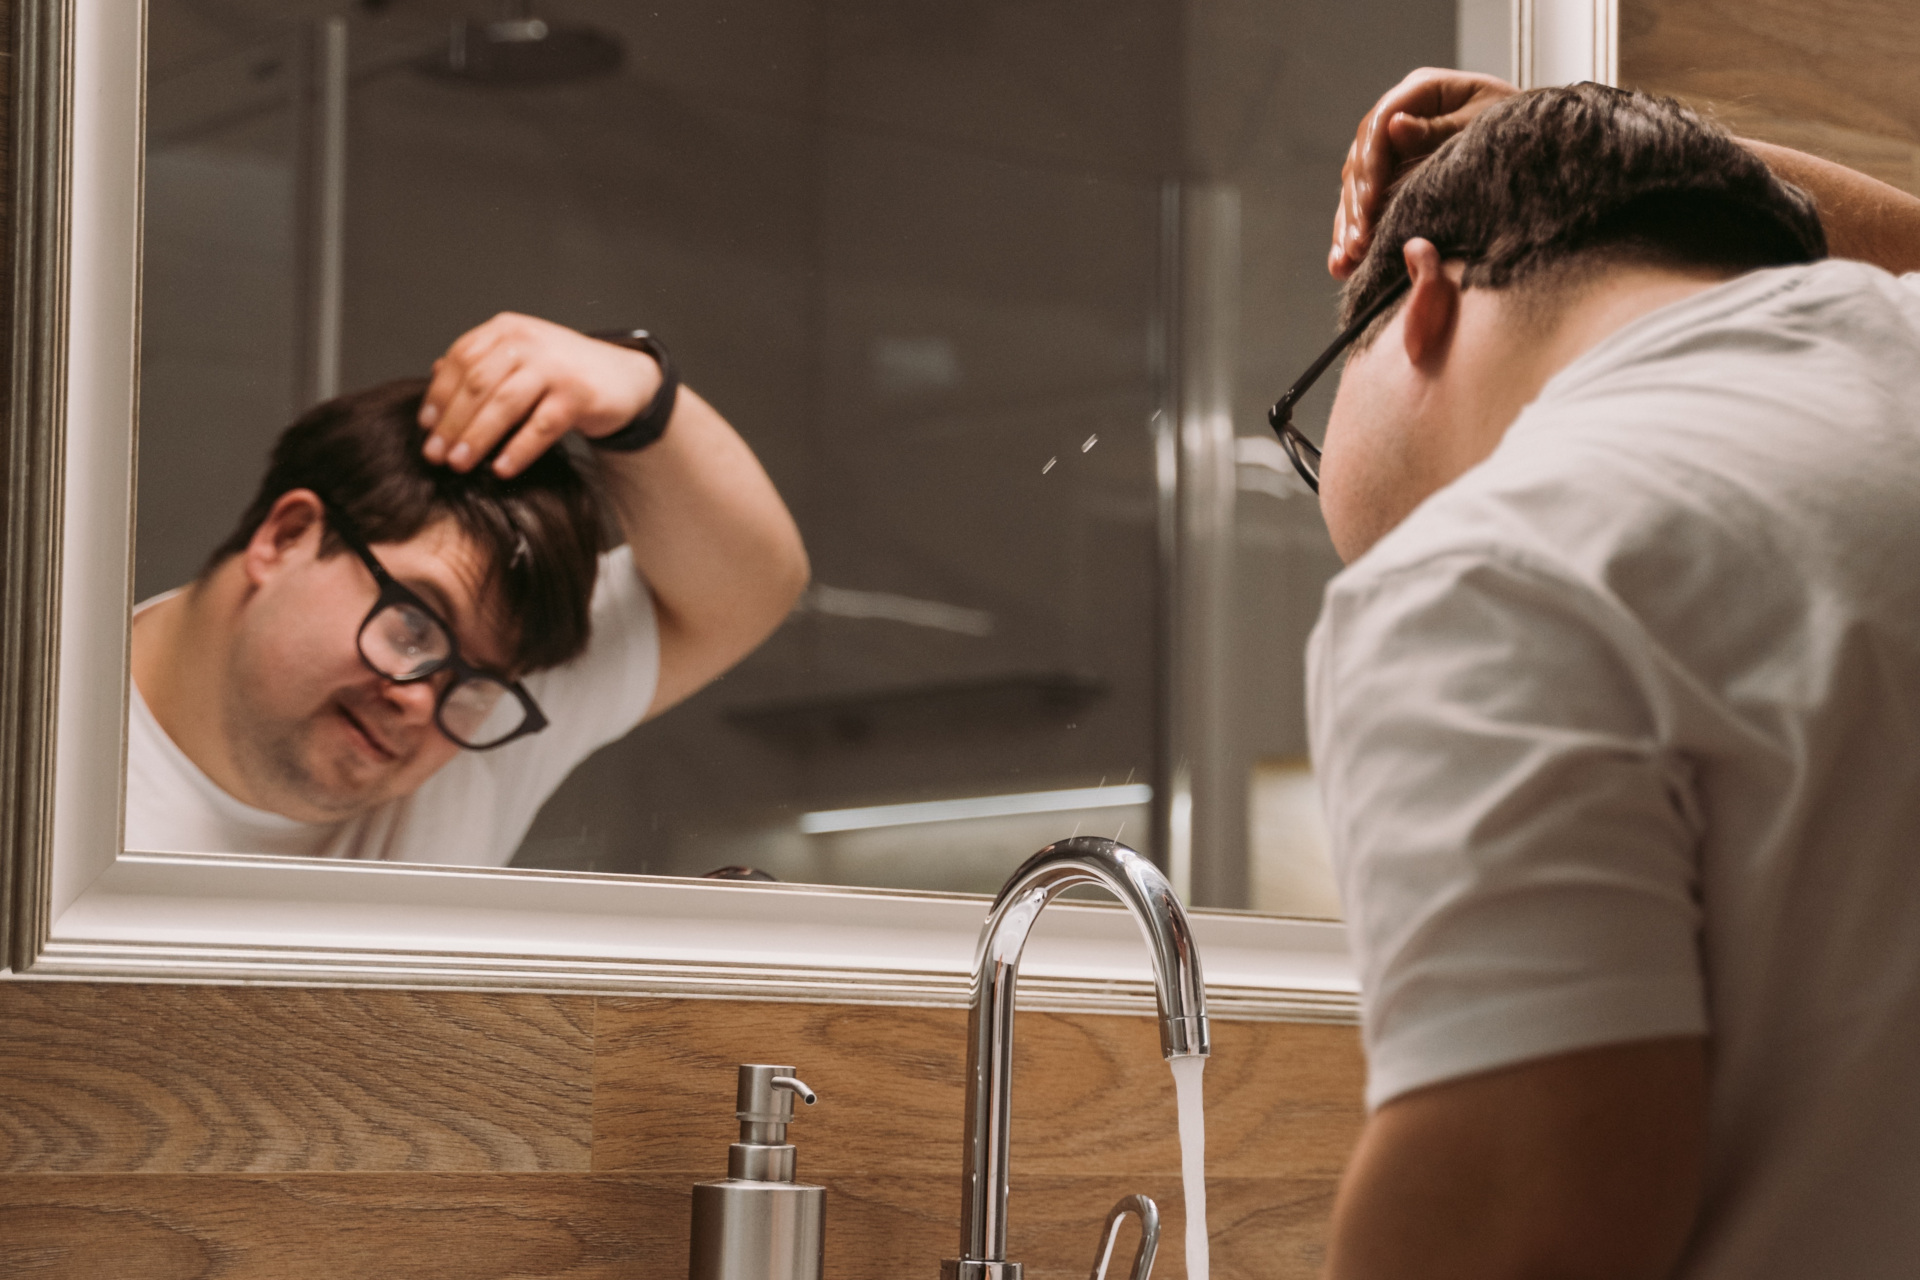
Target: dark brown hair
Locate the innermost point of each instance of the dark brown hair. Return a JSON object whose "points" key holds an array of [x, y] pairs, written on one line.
{"points": [[540, 532], [1552, 182]]}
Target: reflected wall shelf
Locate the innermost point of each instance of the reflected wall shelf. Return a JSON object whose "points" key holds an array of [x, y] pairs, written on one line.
{"points": [[859, 717]]}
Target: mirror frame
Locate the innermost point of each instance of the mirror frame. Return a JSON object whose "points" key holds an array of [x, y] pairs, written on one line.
{"points": [[78, 905]]}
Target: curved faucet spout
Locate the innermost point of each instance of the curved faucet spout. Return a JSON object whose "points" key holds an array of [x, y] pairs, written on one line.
{"points": [[1177, 987]]}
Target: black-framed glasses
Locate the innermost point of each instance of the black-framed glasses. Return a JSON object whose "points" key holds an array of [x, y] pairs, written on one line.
{"points": [[1304, 453], [403, 640]]}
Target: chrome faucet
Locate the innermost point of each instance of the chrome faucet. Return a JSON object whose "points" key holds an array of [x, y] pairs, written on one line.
{"points": [[1177, 988]]}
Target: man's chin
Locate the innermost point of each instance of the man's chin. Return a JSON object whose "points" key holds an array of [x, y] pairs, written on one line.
{"points": [[332, 786], [316, 801], [349, 784], [322, 768]]}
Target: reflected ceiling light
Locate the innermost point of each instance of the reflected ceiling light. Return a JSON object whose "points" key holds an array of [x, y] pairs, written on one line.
{"points": [[523, 50], [824, 821], [885, 606]]}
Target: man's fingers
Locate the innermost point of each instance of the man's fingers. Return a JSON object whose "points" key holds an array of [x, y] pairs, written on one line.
{"points": [[476, 343], [514, 385], [502, 410], [551, 420], [1412, 137], [476, 385], [468, 351], [446, 378], [1407, 124], [1367, 172], [1337, 256], [1390, 140]]}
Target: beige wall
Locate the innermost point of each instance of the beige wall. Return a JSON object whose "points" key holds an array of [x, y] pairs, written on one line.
{"points": [[1840, 78]]}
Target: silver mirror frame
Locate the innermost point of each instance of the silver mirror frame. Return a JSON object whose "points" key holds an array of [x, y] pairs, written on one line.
{"points": [[28, 561], [77, 905], [80, 906]]}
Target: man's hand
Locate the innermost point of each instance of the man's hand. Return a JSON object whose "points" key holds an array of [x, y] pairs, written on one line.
{"points": [[1408, 124], [535, 380], [708, 532], [1586, 1165]]}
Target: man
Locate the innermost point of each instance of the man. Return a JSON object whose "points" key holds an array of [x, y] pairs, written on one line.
{"points": [[413, 636], [1615, 707]]}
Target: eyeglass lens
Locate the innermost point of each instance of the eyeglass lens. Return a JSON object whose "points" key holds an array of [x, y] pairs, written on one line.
{"points": [[1304, 454], [480, 711], [403, 643]]}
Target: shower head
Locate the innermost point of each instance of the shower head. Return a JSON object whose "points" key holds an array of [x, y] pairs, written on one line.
{"points": [[524, 50]]}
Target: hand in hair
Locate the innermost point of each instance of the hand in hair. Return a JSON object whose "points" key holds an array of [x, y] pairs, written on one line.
{"points": [[1864, 218], [527, 382], [1409, 123], [709, 535]]}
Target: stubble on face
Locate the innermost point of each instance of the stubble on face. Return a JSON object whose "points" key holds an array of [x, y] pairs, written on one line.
{"points": [[1382, 453], [1357, 467], [315, 733], [302, 757]]}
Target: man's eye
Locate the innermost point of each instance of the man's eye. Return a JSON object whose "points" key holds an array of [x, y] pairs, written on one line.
{"points": [[403, 641], [412, 629]]}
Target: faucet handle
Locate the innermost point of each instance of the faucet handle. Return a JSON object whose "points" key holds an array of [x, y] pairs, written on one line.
{"points": [[1149, 1214]]}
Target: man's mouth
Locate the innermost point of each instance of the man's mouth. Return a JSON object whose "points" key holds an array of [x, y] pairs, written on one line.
{"points": [[374, 743]]}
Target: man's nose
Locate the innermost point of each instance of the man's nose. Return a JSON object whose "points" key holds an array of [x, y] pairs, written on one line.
{"points": [[413, 701]]}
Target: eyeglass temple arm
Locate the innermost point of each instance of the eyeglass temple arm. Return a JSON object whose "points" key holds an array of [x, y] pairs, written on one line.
{"points": [[355, 543], [1282, 410]]}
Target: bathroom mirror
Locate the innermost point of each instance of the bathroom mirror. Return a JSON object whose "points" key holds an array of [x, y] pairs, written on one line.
{"points": [[999, 308]]}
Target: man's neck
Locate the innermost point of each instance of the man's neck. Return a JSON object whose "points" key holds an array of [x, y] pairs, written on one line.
{"points": [[1514, 346], [179, 657]]}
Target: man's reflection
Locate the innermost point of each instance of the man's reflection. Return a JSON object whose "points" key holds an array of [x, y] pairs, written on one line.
{"points": [[412, 636]]}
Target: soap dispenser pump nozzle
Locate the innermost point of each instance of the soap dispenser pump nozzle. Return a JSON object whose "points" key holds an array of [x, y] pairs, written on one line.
{"points": [[759, 1224], [764, 1105]]}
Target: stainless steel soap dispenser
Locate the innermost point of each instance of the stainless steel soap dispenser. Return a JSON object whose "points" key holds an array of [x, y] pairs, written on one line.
{"points": [[760, 1224]]}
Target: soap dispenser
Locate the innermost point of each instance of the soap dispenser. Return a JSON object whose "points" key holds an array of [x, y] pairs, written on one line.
{"points": [[760, 1224]]}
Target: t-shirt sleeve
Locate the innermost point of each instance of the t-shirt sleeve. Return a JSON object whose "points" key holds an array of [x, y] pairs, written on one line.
{"points": [[605, 691], [1516, 849], [588, 702]]}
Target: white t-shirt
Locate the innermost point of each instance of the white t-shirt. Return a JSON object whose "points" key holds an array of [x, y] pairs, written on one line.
{"points": [[474, 811], [1619, 738]]}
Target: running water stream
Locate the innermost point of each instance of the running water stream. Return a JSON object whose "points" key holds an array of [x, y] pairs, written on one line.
{"points": [[1193, 1158]]}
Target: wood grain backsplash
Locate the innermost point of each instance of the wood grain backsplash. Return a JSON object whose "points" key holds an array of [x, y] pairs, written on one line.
{"points": [[243, 1133], [1834, 77]]}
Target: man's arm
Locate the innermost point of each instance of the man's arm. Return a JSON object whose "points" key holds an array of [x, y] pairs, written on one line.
{"points": [[1584, 1166], [1518, 849], [707, 529], [715, 542], [1864, 218]]}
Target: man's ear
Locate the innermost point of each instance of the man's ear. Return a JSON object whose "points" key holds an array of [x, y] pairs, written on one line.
{"points": [[1432, 308], [293, 527]]}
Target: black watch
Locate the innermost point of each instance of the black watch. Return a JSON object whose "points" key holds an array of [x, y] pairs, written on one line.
{"points": [[651, 422]]}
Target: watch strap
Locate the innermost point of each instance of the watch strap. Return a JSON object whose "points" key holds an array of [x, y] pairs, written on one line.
{"points": [[651, 422]]}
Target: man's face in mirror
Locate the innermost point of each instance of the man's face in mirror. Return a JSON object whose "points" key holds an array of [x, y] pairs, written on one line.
{"points": [[319, 734]]}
